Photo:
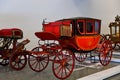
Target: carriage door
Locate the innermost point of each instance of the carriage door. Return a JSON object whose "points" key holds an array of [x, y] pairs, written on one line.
{"points": [[81, 26]]}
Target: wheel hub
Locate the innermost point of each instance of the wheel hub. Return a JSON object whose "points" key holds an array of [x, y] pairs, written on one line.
{"points": [[40, 58]]}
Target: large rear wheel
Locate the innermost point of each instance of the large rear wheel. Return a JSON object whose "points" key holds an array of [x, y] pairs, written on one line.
{"points": [[63, 64], [105, 52]]}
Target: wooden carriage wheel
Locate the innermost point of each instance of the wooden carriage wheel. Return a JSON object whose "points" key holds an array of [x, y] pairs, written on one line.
{"points": [[107, 37], [80, 56], [18, 61], [4, 62], [105, 52], [38, 62], [63, 64]]}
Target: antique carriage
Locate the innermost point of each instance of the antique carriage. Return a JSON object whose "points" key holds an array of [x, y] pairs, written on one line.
{"points": [[12, 52], [65, 40], [115, 32]]}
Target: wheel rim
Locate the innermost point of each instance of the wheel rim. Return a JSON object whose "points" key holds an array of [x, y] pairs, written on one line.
{"points": [[18, 61], [63, 64], [113, 45], [80, 56], [4, 62], [105, 53], [38, 62]]}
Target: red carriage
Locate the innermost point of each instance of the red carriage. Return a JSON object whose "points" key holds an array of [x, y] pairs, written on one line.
{"points": [[12, 52], [67, 40]]}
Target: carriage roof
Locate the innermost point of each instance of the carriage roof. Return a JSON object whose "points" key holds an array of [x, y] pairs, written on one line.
{"points": [[116, 22], [75, 18]]}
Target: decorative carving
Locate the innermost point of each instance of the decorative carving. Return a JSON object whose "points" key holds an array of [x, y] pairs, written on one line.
{"points": [[117, 18]]}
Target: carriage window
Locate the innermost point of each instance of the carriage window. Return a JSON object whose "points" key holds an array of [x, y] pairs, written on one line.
{"points": [[89, 27], [113, 30], [96, 27], [117, 31], [66, 30], [80, 25]]}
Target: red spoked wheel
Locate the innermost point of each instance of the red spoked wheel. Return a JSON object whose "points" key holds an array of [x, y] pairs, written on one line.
{"points": [[18, 61], [38, 62], [4, 61], [80, 56], [105, 52], [63, 64]]}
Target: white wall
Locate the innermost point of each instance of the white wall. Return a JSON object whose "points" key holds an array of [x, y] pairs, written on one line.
{"points": [[28, 14]]}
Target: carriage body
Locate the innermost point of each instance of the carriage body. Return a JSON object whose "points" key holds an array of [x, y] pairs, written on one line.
{"points": [[78, 33]]}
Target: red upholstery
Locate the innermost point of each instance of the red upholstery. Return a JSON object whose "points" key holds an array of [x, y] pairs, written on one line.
{"points": [[11, 33]]}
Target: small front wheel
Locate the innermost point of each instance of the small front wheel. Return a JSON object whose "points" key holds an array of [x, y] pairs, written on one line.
{"points": [[18, 61], [39, 61]]}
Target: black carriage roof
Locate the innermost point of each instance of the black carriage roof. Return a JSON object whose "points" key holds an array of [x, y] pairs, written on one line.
{"points": [[75, 18]]}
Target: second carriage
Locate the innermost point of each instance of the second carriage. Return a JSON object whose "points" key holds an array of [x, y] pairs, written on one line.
{"points": [[114, 35], [65, 40], [11, 51]]}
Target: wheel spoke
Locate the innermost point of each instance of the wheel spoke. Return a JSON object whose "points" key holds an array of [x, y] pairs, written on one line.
{"points": [[34, 63], [42, 64], [65, 71], [59, 70], [57, 67]]}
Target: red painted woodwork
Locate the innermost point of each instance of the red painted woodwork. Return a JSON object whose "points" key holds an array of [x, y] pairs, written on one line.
{"points": [[87, 42], [46, 36], [55, 27]]}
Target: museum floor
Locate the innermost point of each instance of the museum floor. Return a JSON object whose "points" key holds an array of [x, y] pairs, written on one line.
{"points": [[81, 70]]}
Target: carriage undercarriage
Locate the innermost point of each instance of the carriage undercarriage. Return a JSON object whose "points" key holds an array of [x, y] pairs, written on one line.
{"points": [[63, 59]]}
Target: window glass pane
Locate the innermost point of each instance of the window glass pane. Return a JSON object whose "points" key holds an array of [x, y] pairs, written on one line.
{"points": [[113, 30], [96, 27], [89, 27], [80, 25], [117, 31]]}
